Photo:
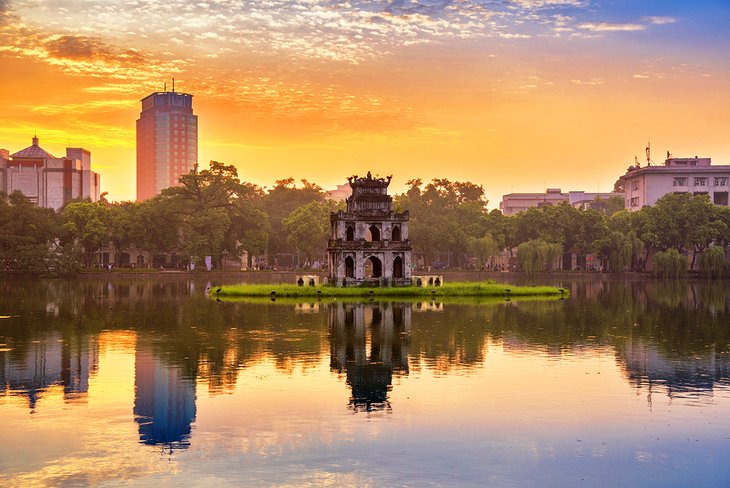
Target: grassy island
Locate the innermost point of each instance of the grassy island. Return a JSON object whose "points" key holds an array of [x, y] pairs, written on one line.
{"points": [[466, 289]]}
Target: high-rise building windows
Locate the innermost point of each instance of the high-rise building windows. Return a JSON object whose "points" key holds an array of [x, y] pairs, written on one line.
{"points": [[165, 126]]}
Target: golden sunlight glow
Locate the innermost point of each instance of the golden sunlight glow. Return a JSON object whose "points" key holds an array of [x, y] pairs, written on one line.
{"points": [[538, 95]]}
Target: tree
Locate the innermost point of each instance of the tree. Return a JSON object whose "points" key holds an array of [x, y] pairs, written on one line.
{"points": [[685, 222], [121, 221], [87, 223], [443, 216], [250, 228], [482, 248], [282, 200], [615, 203], [203, 207], [712, 262], [538, 255], [618, 249], [308, 227], [156, 213], [27, 235], [670, 264]]}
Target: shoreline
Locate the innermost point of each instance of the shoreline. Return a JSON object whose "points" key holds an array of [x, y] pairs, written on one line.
{"points": [[552, 278]]}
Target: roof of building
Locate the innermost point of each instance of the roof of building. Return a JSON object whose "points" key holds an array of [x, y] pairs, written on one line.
{"points": [[715, 168], [34, 151]]}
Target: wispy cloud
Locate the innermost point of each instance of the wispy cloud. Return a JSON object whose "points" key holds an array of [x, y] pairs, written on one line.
{"points": [[83, 108], [550, 3], [79, 47], [610, 27], [591, 82], [331, 30], [659, 20]]}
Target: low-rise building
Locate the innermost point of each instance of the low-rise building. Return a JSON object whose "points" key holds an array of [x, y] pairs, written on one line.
{"points": [[645, 185], [340, 194], [514, 203], [46, 180]]}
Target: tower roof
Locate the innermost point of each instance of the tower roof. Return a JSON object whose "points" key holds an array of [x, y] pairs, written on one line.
{"points": [[369, 181], [34, 151]]}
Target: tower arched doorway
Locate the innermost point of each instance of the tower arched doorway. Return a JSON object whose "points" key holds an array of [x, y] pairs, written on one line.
{"points": [[398, 267], [373, 267], [374, 233], [396, 233], [349, 267]]}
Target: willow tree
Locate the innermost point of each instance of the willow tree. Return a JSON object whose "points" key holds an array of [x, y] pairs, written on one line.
{"points": [[538, 255], [712, 262], [670, 264], [482, 248]]}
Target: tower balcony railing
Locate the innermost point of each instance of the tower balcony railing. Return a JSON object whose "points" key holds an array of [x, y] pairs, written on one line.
{"points": [[375, 214], [374, 245]]}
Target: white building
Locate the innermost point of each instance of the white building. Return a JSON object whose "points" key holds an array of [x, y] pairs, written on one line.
{"points": [[644, 186], [341, 193], [46, 180], [514, 203]]}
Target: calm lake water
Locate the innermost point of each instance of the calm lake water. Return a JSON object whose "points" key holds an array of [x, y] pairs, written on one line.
{"points": [[151, 383]]}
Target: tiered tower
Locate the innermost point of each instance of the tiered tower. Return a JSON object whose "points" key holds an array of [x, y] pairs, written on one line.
{"points": [[369, 242]]}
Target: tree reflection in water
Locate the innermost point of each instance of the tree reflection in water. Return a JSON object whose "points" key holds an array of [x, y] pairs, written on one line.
{"points": [[668, 337]]}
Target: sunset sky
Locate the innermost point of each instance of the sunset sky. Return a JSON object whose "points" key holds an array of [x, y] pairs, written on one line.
{"points": [[515, 95]]}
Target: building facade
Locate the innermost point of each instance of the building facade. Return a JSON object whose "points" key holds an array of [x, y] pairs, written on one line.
{"points": [[369, 242], [339, 194], [167, 141], [514, 203], [46, 180], [644, 186]]}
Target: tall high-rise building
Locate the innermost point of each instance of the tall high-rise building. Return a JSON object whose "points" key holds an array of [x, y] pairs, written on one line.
{"points": [[167, 141]]}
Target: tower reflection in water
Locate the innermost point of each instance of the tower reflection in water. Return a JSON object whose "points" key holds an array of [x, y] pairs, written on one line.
{"points": [[164, 402], [369, 342]]}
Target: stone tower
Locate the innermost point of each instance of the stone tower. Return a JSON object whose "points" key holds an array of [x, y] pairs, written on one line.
{"points": [[369, 242]]}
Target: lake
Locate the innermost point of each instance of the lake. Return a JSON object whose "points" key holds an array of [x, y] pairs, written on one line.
{"points": [[149, 382]]}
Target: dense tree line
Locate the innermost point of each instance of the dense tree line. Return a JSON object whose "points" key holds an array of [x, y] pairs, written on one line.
{"points": [[213, 213]]}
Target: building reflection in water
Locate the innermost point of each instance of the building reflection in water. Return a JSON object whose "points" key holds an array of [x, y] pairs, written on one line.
{"points": [[369, 342], [696, 374], [48, 362], [164, 401]]}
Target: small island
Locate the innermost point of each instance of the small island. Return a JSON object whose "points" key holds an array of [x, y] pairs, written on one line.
{"points": [[466, 289]]}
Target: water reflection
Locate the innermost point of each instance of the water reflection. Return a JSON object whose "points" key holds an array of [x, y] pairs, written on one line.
{"points": [[647, 368], [164, 401], [619, 375], [370, 344], [29, 369], [674, 335]]}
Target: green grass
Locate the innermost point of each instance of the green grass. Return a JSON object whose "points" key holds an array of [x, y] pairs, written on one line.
{"points": [[458, 300], [468, 289]]}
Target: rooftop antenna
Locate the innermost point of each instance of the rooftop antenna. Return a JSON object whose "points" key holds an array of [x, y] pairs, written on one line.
{"points": [[648, 154], [164, 89], [173, 85]]}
